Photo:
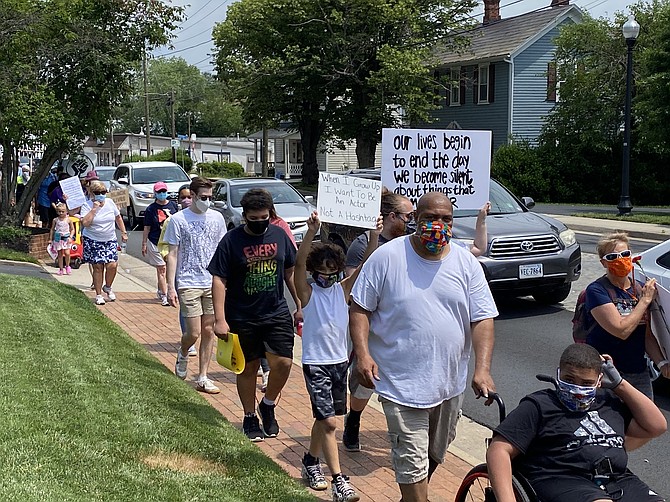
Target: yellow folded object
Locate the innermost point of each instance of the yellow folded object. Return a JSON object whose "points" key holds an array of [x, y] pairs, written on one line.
{"points": [[229, 354]]}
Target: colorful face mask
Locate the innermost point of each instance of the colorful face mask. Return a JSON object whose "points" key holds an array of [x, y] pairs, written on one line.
{"points": [[434, 235], [326, 280], [620, 267], [161, 196], [575, 397]]}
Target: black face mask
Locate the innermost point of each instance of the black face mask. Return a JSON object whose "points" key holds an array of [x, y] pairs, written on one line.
{"points": [[258, 227]]}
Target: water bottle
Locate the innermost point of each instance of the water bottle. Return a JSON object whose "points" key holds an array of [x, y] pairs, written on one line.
{"points": [[124, 246], [299, 330]]}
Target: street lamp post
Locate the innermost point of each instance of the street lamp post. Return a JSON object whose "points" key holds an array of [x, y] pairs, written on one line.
{"points": [[631, 29]]}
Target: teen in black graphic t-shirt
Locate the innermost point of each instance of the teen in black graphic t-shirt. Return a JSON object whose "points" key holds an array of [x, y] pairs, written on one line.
{"points": [[571, 443], [249, 269]]}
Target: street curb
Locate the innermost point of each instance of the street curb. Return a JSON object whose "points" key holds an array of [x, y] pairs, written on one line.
{"points": [[597, 226]]}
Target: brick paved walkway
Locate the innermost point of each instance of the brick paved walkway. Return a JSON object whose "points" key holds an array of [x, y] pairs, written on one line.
{"points": [[157, 329]]}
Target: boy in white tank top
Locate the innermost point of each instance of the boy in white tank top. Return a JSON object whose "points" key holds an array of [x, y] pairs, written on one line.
{"points": [[324, 351]]}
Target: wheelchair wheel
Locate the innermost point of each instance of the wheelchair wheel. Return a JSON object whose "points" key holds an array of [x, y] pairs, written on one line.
{"points": [[476, 487]]}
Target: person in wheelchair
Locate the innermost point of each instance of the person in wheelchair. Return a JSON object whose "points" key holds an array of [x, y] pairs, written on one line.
{"points": [[570, 443]]}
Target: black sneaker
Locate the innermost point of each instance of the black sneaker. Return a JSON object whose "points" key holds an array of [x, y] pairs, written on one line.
{"points": [[270, 427], [313, 476], [252, 429], [343, 491], [350, 435]]}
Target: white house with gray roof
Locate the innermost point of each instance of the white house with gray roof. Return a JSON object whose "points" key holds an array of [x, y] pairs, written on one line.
{"points": [[505, 79]]}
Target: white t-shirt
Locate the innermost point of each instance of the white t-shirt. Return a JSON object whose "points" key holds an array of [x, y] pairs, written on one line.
{"points": [[102, 229], [420, 322], [325, 326], [197, 236]]}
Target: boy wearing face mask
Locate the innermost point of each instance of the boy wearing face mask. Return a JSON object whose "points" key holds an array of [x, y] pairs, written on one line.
{"points": [[192, 235], [324, 350], [571, 444], [250, 267], [154, 218], [617, 317]]}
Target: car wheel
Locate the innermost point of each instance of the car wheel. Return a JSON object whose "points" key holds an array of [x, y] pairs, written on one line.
{"points": [[76, 263], [132, 217], [552, 296]]}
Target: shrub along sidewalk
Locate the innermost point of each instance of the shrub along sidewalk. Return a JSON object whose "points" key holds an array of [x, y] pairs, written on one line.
{"points": [[88, 414]]}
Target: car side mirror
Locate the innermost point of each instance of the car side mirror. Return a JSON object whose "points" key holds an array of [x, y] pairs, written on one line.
{"points": [[122, 181], [220, 204], [528, 202], [309, 198]]}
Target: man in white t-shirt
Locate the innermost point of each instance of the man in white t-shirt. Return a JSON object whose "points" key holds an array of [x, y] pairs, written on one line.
{"points": [[193, 235], [419, 306]]}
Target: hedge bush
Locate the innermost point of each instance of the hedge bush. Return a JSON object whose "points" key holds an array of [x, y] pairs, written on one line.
{"points": [[221, 169]]}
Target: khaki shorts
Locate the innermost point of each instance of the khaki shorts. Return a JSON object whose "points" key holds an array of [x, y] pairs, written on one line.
{"points": [[417, 433], [194, 302], [153, 257]]}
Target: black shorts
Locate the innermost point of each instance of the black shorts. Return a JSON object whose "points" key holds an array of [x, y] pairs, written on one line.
{"points": [[327, 388], [274, 335], [627, 488]]}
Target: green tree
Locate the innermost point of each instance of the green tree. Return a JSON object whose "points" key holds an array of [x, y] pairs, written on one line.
{"points": [[344, 67], [68, 65]]}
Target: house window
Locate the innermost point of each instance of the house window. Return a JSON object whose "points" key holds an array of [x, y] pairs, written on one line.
{"points": [[455, 86], [483, 84]]}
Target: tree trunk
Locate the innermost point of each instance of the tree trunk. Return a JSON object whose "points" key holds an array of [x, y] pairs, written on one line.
{"points": [[310, 135], [51, 155], [8, 215], [366, 150]]}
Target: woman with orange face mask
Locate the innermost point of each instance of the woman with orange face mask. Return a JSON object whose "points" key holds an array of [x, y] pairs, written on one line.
{"points": [[618, 317]]}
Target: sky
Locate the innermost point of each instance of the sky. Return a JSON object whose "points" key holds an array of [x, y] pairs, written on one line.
{"points": [[193, 41]]}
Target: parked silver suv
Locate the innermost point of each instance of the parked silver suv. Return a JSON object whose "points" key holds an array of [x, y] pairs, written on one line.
{"points": [[527, 253]]}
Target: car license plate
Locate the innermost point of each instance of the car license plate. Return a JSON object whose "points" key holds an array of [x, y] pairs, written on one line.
{"points": [[528, 271], [297, 237]]}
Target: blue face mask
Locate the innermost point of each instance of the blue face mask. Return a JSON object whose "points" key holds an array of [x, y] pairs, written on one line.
{"points": [[161, 196], [575, 397], [100, 198]]}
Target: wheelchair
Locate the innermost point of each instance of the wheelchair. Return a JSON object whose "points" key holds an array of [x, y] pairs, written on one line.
{"points": [[476, 486]]}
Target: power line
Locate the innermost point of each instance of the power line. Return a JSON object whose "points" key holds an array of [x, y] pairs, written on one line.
{"points": [[206, 15], [194, 14], [194, 36], [185, 49]]}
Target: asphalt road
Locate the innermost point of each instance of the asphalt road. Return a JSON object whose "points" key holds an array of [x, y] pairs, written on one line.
{"points": [[568, 209]]}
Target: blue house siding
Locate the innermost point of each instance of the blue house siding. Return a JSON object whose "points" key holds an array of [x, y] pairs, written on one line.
{"points": [[470, 115], [530, 105]]}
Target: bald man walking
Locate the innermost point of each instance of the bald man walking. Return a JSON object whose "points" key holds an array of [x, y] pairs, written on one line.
{"points": [[419, 306]]}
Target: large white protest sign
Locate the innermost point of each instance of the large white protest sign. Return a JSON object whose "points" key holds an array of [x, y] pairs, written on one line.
{"points": [[454, 162], [75, 194], [659, 311], [349, 200]]}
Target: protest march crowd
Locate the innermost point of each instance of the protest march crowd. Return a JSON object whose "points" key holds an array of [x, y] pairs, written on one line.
{"points": [[405, 291]]}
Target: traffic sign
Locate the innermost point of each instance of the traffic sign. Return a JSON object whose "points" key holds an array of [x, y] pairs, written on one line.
{"points": [[174, 143]]}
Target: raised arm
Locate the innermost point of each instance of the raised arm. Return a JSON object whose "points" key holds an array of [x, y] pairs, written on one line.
{"points": [[303, 289], [373, 243], [480, 243], [608, 317]]}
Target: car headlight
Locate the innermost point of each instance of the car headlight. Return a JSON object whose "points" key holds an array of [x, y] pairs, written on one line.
{"points": [[144, 195], [567, 237]]}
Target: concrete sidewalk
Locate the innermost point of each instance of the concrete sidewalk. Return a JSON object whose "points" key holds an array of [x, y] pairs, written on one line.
{"points": [[634, 229]]}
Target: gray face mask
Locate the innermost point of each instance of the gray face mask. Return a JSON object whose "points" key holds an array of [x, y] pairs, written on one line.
{"points": [[201, 205]]}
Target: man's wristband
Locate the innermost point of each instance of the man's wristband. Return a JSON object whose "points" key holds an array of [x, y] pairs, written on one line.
{"points": [[662, 363]]}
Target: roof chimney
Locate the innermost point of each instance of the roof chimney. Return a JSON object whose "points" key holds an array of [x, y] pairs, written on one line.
{"points": [[559, 3], [492, 11]]}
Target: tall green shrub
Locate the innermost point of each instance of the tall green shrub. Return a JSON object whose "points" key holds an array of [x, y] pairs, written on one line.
{"points": [[518, 167], [221, 169]]}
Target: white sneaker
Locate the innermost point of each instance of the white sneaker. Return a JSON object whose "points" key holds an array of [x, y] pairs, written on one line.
{"points": [[110, 293], [164, 301], [192, 351], [159, 295], [207, 386], [181, 366], [99, 300]]}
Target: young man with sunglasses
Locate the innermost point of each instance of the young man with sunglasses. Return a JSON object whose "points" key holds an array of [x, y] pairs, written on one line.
{"points": [[193, 235], [617, 315], [154, 218]]}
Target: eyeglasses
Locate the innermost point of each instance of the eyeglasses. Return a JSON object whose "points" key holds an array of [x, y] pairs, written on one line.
{"points": [[205, 197], [409, 216], [626, 253]]}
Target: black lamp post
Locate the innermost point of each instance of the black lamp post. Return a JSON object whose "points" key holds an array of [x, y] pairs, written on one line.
{"points": [[631, 29]]}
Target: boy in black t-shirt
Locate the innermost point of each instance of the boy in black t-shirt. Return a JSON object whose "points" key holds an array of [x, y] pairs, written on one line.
{"points": [[571, 443], [249, 269]]}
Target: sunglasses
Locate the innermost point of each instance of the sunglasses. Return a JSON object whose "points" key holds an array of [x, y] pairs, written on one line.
{"points": [[626, 253], [100, 193], [161, 191]]}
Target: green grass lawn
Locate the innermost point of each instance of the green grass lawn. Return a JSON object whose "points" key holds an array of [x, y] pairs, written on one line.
{"points": [[10, 254], [89, 415], [658, 219]]}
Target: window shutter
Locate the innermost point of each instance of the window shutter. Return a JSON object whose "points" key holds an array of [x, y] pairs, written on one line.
{"points": [[462, 84], [447, 97], [436, 88], [492, 82], [475, 85], [551, 81]]}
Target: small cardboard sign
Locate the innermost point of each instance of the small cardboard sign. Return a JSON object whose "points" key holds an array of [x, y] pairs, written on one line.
{"points": [[349, 200], [120, 197]]}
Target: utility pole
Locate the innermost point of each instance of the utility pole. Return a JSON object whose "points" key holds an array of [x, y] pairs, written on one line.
{"points": [[174, 132], [111, 144], [147, 134], [264, 165]]}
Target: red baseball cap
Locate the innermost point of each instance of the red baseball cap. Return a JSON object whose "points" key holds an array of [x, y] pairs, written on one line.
{"points": [[91, 176], [160, 186]]}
